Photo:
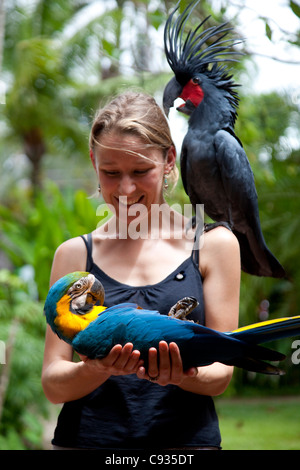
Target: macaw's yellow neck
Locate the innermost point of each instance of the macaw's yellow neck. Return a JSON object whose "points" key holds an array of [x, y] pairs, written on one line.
{"points": [[68, 323]]}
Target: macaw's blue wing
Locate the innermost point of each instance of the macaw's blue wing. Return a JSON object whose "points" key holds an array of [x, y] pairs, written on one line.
{"points": [[121, 324], [199, 346]]}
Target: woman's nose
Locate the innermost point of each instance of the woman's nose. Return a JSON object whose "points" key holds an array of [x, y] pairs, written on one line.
{"points": [[127, 185]]}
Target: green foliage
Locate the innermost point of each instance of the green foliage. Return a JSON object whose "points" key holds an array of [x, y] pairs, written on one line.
{"points": [[54, 64], [295, 8], [32, 232], [22, 328]]}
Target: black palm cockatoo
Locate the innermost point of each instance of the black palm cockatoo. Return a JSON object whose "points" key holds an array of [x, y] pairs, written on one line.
{"points": [[214, 166]]}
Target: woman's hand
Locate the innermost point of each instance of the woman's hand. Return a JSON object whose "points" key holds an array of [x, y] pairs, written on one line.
{"points": [[119, 361], [167, 368]]}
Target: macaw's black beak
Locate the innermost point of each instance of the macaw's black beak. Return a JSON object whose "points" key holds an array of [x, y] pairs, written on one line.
{"points": [[172, 91], [97, 291]]}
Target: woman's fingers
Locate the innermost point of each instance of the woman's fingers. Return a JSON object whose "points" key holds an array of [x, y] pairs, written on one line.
{"points": [[177, 368], [165, 365], [128, 360], [112, 356], [152, 364], [123, 356], [123, 359]]}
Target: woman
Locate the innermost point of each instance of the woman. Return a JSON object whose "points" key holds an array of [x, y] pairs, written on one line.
{"points": [[114, 403]]}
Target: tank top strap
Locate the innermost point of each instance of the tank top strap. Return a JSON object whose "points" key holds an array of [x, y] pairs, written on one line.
{"points": [[89, 248], [196, 247]]}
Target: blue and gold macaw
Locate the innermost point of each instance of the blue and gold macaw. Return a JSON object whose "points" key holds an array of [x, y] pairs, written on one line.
{"points": [[75, 312]]}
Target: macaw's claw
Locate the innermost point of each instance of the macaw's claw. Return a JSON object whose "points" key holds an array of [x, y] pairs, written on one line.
{"points": [[183, 307]]}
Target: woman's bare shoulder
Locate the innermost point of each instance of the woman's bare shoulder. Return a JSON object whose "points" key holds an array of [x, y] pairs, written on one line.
{"points": [[220, 247], [220, 237], [73, 247], [70, 256]]}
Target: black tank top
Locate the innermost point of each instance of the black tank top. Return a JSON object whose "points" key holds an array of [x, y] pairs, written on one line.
{"points": [[128, 413]]}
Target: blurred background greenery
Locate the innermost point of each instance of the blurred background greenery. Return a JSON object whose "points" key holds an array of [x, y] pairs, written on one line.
{"points": [[58, 61]]}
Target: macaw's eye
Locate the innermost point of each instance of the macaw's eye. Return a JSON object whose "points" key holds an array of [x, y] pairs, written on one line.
{"points": [[196, 81], [77, 285]]}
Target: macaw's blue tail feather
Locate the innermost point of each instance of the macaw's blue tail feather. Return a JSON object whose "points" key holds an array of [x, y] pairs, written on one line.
{"points": [[264, 332], [255, 365], [268, 330], [241, 354]]}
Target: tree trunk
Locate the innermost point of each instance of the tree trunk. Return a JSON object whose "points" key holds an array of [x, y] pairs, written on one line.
{"points": [[35, 148]]}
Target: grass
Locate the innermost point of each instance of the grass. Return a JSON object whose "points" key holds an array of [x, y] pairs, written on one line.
{"points": [[260, 424]]}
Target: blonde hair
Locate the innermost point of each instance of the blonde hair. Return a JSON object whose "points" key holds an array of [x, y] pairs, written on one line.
{"points": [[136, 113]]}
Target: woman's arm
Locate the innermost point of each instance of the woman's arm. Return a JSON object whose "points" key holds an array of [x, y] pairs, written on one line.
{"points": [[220, 268], [62, 379]]}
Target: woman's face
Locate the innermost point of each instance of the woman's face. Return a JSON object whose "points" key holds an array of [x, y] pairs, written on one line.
{"points": [[126, 178]]}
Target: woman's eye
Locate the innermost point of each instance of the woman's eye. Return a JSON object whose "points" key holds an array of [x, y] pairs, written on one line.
{"points": [[116, 173], [141, 172]]}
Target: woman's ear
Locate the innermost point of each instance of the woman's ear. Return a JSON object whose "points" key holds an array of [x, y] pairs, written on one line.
{"points": [[170, 159], [93, 159]]}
